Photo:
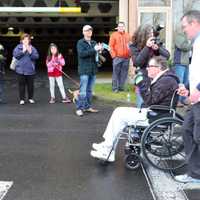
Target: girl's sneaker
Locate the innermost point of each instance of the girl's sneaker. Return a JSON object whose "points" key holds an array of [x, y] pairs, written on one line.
{"points": [[52, 100], [66, 100], [22, 102], [31, 101]]}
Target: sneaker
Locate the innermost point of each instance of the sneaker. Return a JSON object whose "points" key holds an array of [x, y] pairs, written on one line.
{"points": [[186, 179], [31, 101], [79, 113], [103, 155], [98, 146], [116, 91], [66, 100], [22, 102], [52, 100], [92, 110]]}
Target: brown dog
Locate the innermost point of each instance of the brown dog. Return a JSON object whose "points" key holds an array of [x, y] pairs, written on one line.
{"points": [[75, 94]]}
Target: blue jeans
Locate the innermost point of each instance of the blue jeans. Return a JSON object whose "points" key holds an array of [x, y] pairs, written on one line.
{"points": [[182, 72], [139, 99], [120, 72], [85, 97]]}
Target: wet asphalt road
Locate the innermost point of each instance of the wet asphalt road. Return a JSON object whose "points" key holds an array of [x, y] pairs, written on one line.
{"points": [[44, 150]]}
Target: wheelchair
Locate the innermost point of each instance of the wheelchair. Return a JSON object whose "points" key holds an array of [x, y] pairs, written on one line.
{"points": [[160, 143]]}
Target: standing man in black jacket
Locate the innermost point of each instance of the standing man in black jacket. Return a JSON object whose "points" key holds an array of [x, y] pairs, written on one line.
{"points": [[87, 68], [157, 89]]}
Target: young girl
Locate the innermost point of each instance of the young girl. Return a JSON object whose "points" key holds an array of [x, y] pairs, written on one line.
{"points": [[55, 62]]}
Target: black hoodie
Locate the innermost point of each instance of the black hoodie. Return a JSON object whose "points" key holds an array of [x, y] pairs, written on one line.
{"points": [[161, 91]]}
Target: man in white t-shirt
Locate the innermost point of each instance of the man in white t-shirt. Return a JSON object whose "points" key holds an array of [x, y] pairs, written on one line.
{"points": [[191, 126]]}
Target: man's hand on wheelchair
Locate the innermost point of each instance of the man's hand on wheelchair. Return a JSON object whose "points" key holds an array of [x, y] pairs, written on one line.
{"points": [[182, 91]]}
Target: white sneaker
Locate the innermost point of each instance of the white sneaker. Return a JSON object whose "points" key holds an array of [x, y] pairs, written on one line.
{"points": [[103, 155], [79, 113], [186, 179], [22, 102], [98, 146], [31, 101]]}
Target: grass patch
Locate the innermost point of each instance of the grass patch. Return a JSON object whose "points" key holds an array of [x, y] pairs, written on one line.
{"points": [[104, 90]]}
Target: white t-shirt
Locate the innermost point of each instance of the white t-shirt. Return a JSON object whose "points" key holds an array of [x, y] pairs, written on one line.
{"points": [[194, 67]]}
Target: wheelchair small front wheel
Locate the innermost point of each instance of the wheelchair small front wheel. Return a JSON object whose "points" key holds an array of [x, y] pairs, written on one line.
{"points": [[132, 161]]}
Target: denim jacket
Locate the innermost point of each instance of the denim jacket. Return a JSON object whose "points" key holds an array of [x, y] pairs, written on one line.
{"points": [[26, 61]]}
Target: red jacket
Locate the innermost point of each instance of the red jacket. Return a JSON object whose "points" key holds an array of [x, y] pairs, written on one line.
{"points": [[119, 45]]}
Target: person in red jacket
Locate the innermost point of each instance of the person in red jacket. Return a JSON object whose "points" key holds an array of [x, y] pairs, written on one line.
{"points": [[119, 50], [55, 62]]}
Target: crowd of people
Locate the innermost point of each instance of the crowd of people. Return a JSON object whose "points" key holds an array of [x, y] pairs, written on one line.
{"points": [[156, 86], [155, 83]]}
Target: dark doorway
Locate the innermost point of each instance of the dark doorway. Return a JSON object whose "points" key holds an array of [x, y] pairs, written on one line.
{"points": [[66, 40]]}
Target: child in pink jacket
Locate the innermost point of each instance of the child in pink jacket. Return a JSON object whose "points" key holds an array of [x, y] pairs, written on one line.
{"points": [[55, 62]]}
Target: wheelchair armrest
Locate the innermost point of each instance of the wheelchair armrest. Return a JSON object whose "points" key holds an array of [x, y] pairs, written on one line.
{"points": [[159, 108]]}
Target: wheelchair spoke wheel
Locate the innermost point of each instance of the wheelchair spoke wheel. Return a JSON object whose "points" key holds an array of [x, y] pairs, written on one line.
{"points": [[132, 161], [162, 144]]}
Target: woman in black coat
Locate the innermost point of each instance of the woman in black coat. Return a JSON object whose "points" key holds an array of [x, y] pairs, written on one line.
{"points": [[144, 47]]}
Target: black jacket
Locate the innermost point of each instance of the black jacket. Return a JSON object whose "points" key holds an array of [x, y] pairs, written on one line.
{"points": [[2, 63], [160, 92], [141, 57], [87, 64]]}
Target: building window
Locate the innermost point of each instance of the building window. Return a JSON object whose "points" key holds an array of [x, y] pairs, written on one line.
{"points": [[154, 3]]}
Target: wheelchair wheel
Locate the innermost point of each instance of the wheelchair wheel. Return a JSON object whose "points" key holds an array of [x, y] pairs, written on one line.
{"points": [[162, 144], [132, 161]]}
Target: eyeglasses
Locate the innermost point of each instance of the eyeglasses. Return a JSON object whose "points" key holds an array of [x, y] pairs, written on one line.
{"points": [[150, 66]]}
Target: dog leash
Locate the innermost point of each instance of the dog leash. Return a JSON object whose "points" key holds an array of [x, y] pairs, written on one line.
{"points": [[67, 76]]}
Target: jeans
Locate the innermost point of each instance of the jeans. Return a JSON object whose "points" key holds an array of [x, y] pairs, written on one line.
{"points": [[120, 72], [139, 99], [85, 97], [182, 73]]}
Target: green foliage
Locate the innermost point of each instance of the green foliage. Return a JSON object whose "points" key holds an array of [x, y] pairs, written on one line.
{"points": [[170, 63], [104, 90]]}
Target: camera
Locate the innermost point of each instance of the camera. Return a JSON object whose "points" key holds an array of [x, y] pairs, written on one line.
{"points": [[156, 34]]}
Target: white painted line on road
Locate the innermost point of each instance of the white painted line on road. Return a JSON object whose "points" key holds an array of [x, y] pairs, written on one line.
{"points": [[162, 186], [4, 187]]}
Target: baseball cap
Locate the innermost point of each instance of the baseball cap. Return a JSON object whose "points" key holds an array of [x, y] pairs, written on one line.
{"points": [[119, 24], [87, 28]]}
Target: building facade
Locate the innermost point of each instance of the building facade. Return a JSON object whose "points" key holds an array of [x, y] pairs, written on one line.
{"points": [[65, 28]]}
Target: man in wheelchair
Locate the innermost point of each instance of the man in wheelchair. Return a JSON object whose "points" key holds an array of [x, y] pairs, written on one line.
{"points": [[157, 89]]}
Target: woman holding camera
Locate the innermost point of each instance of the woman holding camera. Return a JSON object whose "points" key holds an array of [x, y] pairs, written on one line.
{"points": [[144, 46]]}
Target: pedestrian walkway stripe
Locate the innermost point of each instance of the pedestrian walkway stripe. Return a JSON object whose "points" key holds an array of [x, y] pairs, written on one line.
{"points": [[4, 187], [162, 186]]}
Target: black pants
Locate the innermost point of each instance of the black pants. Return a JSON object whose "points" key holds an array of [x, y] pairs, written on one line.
{"points": [[191, 137], [1, 88], [26, 81]]}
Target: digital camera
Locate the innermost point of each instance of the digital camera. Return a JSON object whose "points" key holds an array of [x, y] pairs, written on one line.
{"points": [[156, 34]]}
